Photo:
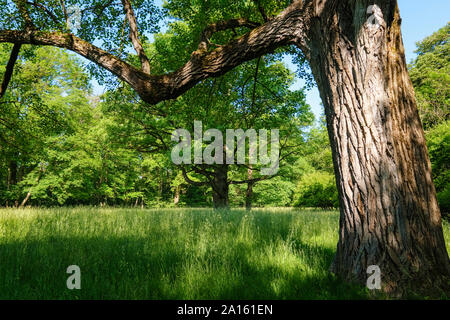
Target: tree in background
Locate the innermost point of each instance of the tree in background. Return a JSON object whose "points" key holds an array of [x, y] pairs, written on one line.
{"points": [[438, 141], [254, 96]]}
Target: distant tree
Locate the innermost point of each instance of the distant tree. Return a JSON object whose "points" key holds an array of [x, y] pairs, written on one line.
{"points": [[255, 96], [47, 96], [438, 141], [430, 75]]}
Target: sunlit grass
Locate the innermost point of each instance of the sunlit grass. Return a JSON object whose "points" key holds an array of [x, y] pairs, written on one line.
{"points": [[171, 254]]}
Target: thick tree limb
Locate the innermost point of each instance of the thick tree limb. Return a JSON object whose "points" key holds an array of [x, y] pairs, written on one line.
{"points": [[134, 37], [289, 27], [9, 69]]}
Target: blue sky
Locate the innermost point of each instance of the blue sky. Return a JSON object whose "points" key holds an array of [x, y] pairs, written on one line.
{"points": [[419, 19]]}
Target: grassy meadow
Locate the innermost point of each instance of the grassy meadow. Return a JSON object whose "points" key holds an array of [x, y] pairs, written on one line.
{"points": [[171, 254]]}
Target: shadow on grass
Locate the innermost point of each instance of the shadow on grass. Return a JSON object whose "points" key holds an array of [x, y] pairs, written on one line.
{"points": [[136, 268]]}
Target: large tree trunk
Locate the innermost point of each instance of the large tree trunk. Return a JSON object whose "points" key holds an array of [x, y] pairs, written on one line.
{"points": [[389, 214], [220, 187]]}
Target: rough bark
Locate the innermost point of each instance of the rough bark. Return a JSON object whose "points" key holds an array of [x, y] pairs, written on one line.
{"points": [[389, 212]]}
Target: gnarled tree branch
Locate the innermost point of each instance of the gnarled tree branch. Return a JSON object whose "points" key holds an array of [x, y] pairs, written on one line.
{"points": [[134, 37], [123, 70], [289, 27]]}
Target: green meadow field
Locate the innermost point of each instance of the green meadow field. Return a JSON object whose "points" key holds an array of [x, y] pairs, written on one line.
{"points": [[171, 254]]}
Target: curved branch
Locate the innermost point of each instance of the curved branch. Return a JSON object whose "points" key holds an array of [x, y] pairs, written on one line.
{"points": [[190, 181], [134, 36], [287, 28], [202, 171], [9, 68], [290, 27], [120, 68]]}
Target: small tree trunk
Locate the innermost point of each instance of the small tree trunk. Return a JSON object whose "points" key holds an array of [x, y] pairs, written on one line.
{"points": [[249, 193], [28, 196], [220, 187], [25, 200], [176, 198], [389, 212]]}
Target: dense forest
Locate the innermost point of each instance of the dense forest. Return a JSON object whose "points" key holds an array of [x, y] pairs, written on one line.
{"points": [[62, 145]]}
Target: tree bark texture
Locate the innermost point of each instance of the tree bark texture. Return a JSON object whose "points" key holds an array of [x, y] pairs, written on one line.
{"points": [[389, 212]]}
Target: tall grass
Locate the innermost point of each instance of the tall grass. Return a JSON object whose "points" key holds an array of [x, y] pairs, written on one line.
{"points": [[171, 254]]}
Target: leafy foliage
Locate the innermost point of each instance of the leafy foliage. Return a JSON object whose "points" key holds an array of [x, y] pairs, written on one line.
{"points": [[430, 74], [438, 141]]}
